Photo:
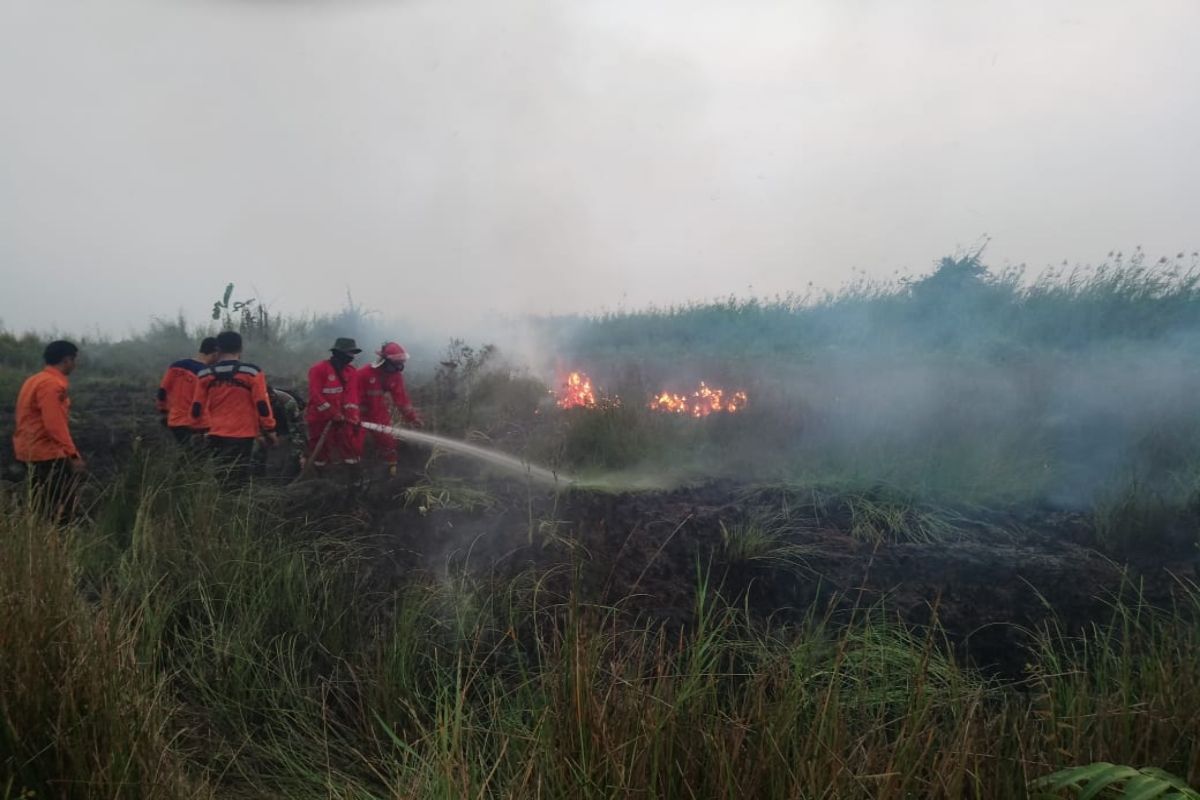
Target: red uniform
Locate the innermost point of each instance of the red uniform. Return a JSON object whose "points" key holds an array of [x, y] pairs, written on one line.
{"points": [[332, 401], [375, 386]]}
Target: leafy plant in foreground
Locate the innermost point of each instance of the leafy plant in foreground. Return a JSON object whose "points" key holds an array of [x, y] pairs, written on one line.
{"points": [[1105, 780]]}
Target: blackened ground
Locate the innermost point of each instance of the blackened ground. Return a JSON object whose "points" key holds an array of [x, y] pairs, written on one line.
{"points": [[107, 417], [989, 580], [988, 575]]}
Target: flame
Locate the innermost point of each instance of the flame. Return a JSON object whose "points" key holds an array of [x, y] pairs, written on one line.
{"points": [[577, 392], [700, 403]]}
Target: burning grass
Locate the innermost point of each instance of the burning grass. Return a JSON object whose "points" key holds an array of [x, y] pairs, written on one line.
{"points": [[576, 392], [700, 403]]}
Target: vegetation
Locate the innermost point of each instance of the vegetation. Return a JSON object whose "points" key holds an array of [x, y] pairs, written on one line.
{"points": [[1116, 781], [185, 640], [188, 642], [962, 307], [249, 316]]}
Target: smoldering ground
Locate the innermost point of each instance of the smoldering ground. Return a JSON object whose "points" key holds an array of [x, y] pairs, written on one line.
{"points": [[966, 383], [980, 386]]}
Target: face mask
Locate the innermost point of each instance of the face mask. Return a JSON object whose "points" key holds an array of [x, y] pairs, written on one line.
{"points": [[341, 359]]}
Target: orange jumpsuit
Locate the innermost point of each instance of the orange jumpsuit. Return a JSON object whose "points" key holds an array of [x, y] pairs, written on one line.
{"points": [[231, 399], [43, 432], [176, 392]]}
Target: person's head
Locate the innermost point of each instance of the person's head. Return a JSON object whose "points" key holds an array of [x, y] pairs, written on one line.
{"points": [[229, 343], [62, 355], [208, 350], [343, 351], [392, 357]]}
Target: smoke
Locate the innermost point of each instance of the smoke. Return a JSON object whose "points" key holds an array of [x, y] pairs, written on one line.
{"points": [[446, 160], [460, 165], [1063, 392]]}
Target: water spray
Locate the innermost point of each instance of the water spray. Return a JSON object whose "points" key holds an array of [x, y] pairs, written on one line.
{"points": [[496, 459]]}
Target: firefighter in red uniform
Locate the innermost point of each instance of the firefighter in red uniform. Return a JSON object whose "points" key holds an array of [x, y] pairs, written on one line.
{"points": [[376, 383], [332, 410], [178, 389]]}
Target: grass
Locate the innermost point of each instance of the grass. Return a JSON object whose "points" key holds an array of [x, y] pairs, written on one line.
{"points": [[962, 386], [960, 307], [762, 542], [222, 651], [184, 641], [79, 715]]}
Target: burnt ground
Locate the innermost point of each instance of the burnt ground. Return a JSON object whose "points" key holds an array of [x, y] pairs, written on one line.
{"points": [[987, 575], [107, 416], [989, 579]]}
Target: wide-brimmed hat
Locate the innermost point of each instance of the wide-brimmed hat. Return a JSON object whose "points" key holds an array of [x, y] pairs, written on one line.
{"points": [[344, 345]]}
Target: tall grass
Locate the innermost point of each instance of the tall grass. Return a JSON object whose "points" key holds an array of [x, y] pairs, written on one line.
{"points": [[966, 383], [80, 715], [960, 306], [225, 649]]}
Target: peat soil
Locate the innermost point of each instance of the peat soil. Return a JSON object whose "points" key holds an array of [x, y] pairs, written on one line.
{"points": [[989, 579], [988, 576], [108, 417]]}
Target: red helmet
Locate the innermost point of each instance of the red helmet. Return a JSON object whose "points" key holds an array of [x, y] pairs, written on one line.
{"points": [[392, 352]]}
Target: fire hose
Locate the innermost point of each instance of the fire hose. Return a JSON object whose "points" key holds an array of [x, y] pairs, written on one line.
{"points": [[493, 457]]}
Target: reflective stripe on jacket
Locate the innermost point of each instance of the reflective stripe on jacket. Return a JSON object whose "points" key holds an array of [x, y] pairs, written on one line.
{"points": [[232, 397], [177, 391], [331, 393], [43, 430], [375, 385]]}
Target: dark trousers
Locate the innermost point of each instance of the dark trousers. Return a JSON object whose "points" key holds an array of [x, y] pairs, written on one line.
{"points": [[54, 487], [232, 454], [183, 435]]}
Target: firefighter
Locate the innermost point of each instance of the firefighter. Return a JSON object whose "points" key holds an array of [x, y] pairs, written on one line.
{"points": [[178, 389], [376, 383], [332, 410], [283, 460], [42, 440], [231, 401]]}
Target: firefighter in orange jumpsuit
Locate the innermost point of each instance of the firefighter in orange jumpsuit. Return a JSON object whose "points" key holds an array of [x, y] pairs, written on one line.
{"points": [[376, 383], [332, 410], [42, 440], [177, 390], [231, 399]]}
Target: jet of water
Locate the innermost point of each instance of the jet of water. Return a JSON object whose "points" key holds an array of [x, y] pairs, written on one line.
{"points": [[496, 459]]}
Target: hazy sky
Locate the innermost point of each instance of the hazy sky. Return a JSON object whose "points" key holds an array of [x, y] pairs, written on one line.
{"points": [[443, 158]]}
